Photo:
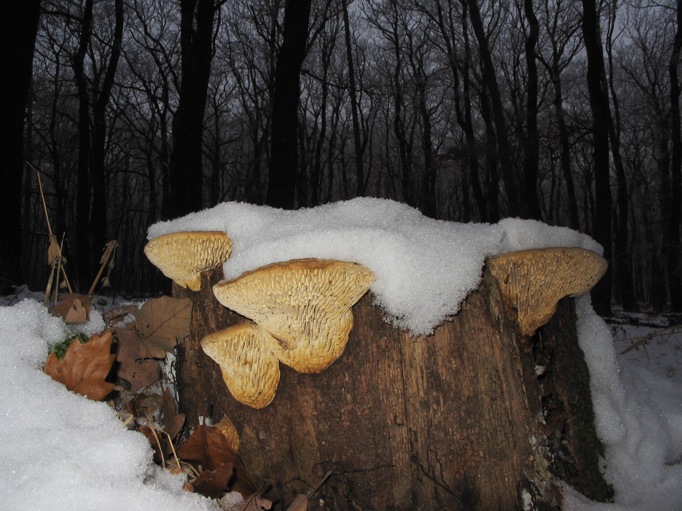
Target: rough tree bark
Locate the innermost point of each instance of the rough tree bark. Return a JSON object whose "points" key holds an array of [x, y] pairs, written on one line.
{"points": [[460, 419]]}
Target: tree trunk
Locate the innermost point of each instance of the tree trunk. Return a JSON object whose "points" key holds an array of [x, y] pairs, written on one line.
{"points": [[83, 198], [599, 105], [490, 79], [284, 143], [461, 419], [531, 203], [98, 221], [622, 258], [352, 91], [674, 250], [18, 28], [186, 171]]}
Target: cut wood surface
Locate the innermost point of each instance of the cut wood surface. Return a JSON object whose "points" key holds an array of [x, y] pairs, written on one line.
{"points": [[474, 416]]}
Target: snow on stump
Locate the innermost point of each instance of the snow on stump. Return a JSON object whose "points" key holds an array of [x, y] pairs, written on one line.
{"points": [[489, 412]]}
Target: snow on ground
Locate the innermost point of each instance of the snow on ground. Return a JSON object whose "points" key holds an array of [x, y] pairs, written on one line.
{"points": [[60, 451]]}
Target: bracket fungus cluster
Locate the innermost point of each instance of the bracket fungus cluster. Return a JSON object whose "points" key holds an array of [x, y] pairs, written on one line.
{"points": [[182, 256], [533, 281], [301, 311], [302, 315]]}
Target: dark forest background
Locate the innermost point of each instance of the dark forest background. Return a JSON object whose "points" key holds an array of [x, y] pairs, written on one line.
{"points": [[132, 111]]}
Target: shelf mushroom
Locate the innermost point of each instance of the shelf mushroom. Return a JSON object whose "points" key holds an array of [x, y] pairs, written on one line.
{"points": [[533, 281], [250, 370], [182, 256], [305, 304]]}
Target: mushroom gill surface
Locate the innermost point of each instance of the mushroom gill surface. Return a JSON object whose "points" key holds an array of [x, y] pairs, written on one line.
{"points": [[305, 304], [182, 256], [533, 281], [250, 370]]}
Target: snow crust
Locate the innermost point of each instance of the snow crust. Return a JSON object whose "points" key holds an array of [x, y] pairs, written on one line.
{"points": [[61, 451], [424, 268]]}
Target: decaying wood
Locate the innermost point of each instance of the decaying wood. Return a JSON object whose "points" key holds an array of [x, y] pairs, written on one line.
{"points": [[474, 416]]}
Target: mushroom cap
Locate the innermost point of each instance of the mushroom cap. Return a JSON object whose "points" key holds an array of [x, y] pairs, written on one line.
{"points": [[533, 281], [250, 370], [182, 256], [305, 304]]}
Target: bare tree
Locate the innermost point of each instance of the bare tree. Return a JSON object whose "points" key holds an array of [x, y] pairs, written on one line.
{"points": [[18, 28], [284, 153], [497, 108], [674, 254], [560, 25], [599, 105], [196, 46]]}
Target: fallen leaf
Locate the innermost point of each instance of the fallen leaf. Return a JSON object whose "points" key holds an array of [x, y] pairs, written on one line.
{"points": [[73, 307], [228, 429], [233, 501], [169, 419], [146, 405], [135, 364], [300, 503], [117, 314], [208, 449], [162, 322], [84, 367]]}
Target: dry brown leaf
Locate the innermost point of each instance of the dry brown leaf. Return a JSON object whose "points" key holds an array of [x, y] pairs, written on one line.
{"points": [[84, 367], [208, 448], [117, 314], [232, 502], [135, 364], [169, 419], [74, 308], [300, 503], [162, 322], [228, 429], [53, 251]]}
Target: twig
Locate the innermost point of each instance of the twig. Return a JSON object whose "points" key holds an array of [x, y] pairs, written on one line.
{"points": [[109, 250], [313, 491], [56, 263], [175, 454], [42, 196], [646, 338], [152, 428]]}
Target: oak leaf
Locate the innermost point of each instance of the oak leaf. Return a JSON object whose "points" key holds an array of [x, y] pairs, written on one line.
{"points": [[84, 367], [162, 322]]}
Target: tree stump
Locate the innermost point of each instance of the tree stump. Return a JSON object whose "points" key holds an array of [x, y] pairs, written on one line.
{"points": [[474, 416]]}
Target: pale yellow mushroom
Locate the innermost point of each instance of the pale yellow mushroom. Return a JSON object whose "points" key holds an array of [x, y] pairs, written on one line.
{"points": [[182, 256], [250, 370], [305, 304], [533, 281]]}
